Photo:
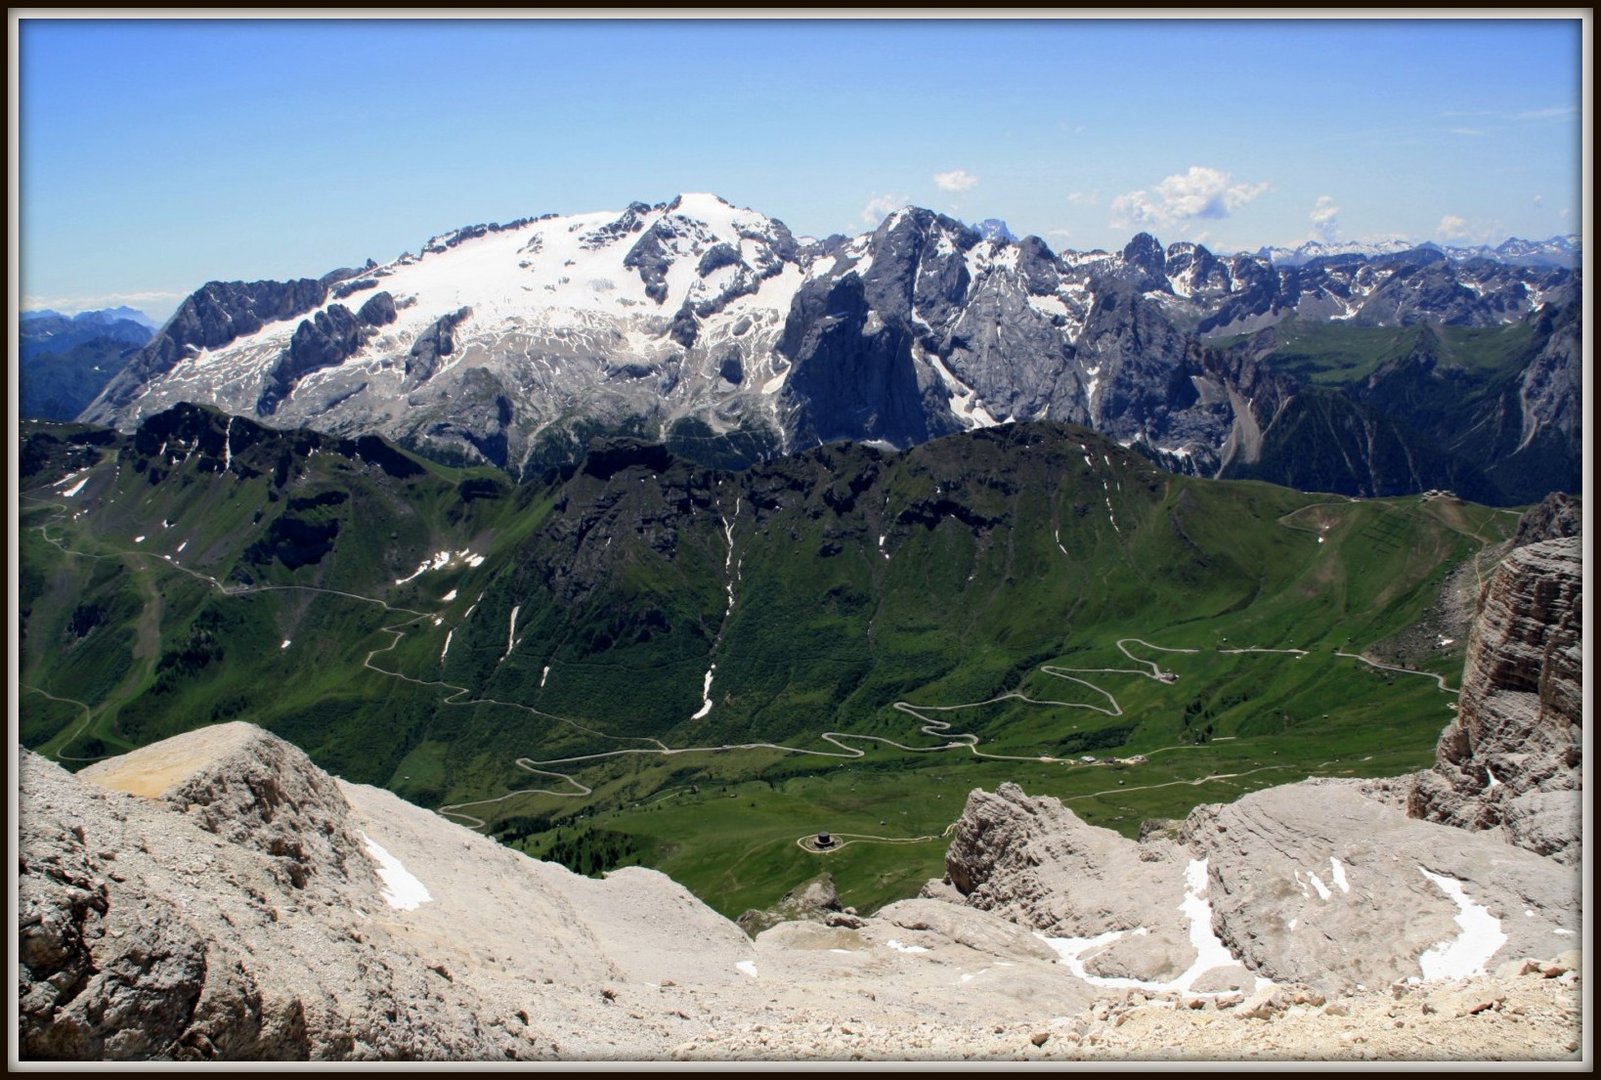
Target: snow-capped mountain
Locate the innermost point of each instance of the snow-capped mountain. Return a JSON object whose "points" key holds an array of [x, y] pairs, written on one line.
{"points": [[1564, 251], [712, 328]]}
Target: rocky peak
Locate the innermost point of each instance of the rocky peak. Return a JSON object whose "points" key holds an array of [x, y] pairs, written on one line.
{"points": [[1558, 514], [251, 789], [1144, 252]]}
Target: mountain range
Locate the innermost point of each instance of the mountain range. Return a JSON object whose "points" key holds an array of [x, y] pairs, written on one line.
{"points": [[715, 330], [64, 361]]}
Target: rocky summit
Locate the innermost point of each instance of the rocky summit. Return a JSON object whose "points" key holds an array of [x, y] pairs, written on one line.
{"points": [[714, 329], [217, 897]]}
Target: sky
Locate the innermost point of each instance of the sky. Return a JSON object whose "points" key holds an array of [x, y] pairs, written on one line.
{"points": [[151, 156]]}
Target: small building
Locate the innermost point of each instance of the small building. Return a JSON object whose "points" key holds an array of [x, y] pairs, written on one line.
{"points": [[824, 840]]}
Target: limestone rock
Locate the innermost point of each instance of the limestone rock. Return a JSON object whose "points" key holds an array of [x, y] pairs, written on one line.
{"points": [[1316, 884], [1516, 744], [1037, 863]]}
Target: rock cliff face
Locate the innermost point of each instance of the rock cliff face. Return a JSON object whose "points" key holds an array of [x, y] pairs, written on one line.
{"points": [[1510, 762]]}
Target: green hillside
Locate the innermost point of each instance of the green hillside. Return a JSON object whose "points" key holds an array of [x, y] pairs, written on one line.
{"points": [[883, 632]]}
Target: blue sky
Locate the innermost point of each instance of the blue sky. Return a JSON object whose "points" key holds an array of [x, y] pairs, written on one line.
{"points": [[153, 156]]}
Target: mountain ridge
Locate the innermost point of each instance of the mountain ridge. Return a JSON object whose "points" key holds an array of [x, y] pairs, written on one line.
{"points": [[698, 321]]}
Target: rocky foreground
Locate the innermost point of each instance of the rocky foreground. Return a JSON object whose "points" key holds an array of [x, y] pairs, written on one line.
{"points": [[216, 896]]}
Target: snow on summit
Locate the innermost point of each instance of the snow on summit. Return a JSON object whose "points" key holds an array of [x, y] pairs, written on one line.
{"points": [[686, 298]]}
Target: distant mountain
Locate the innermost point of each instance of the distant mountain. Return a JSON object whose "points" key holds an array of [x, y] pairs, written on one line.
{"points": [[66, 360], [713, 329], [993, 229], [1559, 251]]}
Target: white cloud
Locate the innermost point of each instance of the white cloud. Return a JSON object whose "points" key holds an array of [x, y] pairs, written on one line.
{"points": [[1454, 229], [1083, 198], [880, 207], [1539, 200], [1325, 218], [1200, 193], [1467, 131], [955, 180], [1560, 112]]}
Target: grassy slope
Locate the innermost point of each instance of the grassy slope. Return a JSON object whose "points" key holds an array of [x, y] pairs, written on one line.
{"points": [[1008, 554]]}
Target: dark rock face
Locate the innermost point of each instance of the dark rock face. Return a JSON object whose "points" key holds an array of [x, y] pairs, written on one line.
{"points": [[478, 421], [913, 272], [649, 257], [216, 314], [1144, 263], [1511, 758], [716, 257], [379, 310], [1557, 515], [435, 342], [320, 342], [852, 380], [606, 459], [1037, 267]]}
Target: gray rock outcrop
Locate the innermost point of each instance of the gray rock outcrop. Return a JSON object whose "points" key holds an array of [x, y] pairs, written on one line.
{"points": [[1510, 761], [1314, 884]]}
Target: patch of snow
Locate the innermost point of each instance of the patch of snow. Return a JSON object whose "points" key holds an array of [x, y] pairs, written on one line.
{"points": [[138, 539], [543, 675], [446, 649], [898, 947], [706, 695], [75, 488], [1095, 381], [747, 966], [285, 645], [511, 630], [402, 890], [1337, 872], [1210, 952], [451, 595], [1048, 305], [963, 398], [182, 546], [1480, 939], [1323, 892]]}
